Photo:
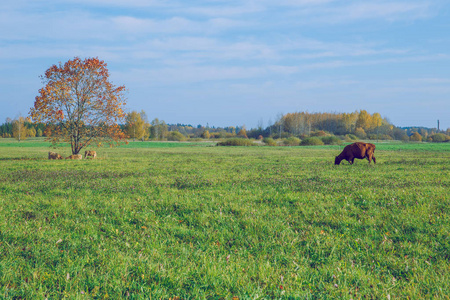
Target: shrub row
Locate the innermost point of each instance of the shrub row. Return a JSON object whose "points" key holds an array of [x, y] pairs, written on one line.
{"points": [[315, 140], [269, 141], [309, 141], [236, 142]]}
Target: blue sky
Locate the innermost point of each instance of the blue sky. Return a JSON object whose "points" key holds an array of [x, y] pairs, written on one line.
{"points": [[229, 63]]}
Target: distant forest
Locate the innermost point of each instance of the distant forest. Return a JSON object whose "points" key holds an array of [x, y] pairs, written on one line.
{"points": [[346, 126]]}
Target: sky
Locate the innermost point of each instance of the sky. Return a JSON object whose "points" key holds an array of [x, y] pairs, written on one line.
{"points": [[235, 63]]}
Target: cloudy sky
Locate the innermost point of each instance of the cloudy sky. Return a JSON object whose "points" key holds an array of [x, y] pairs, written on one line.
{"points": [[229, 63]]}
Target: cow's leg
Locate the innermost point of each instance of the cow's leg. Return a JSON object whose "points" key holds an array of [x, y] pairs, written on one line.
{"points": [[374, 160]]}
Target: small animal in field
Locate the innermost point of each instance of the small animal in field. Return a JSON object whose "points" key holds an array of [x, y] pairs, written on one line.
{"points": [[75, 156], [356, 150], [90, 153], [54, 155]]}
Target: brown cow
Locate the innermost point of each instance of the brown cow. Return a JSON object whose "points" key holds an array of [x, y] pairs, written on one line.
{"points": [[54, 155], [75, 156], [90, 153], [356, 150]]}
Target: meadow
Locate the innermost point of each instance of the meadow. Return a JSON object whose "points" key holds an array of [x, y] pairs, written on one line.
{"points": [[191, 220]]}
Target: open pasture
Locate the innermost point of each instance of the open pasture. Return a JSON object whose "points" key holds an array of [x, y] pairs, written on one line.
{"points": [[159, 220]]}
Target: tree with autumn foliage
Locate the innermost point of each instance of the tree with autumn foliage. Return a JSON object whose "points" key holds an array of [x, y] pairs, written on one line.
{"points": [[80, 105], [137, 126], [243, 133], [415, 137], [20, 131]]}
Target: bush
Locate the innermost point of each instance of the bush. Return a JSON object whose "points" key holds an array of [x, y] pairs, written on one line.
{"points": [[218, 135], [385, 137], [236, 142], [439, 138], [319, 133], [269, 141], [350, 137], [229, 135], [380, 136], [360, 133], [284, 135], [331, 140], [415, 137], [292, 141], [205, 134], [176, 136], [312, 141]]}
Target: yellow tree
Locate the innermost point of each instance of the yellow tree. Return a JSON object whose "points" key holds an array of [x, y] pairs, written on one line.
{"points": [[19, 129], [376, 121], [205, 134], [294, 123], [136, 125], [348, 122], [80, 105], [289, 121], [364, 120], [242, 133], [415, 137], [31, 132]]}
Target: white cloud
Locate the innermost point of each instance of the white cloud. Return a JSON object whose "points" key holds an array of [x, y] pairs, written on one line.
{"points": [[370, 10], [214, 11], [123, 3], [200, 74], [175, 25], [136, 26], [386, 10]]}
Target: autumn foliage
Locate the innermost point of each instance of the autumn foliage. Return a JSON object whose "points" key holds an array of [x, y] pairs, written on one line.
{"points": [[20, 131], [415, 137], [303, 123], [136, 125], [80, 105]]}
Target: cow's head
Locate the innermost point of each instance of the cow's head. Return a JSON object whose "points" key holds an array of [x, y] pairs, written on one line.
{"points": [[337, 160]]}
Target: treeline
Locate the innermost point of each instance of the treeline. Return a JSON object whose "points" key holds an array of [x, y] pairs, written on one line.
{"points": [[21, 128], [348, 126], [359, 124], [138, 127]]}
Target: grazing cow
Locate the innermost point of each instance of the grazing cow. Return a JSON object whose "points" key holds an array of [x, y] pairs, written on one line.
{"points": [[54, 155], [75, 156], [91, 153], [356, 150]]}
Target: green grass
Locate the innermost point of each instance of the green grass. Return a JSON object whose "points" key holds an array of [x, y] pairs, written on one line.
{"points": [[158, 220]]}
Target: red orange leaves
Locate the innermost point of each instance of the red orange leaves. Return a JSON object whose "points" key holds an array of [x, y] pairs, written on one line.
{"points": [[80, 103]]}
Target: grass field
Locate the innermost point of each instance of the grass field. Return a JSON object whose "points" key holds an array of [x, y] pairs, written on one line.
{"points": [[190, 220]]}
